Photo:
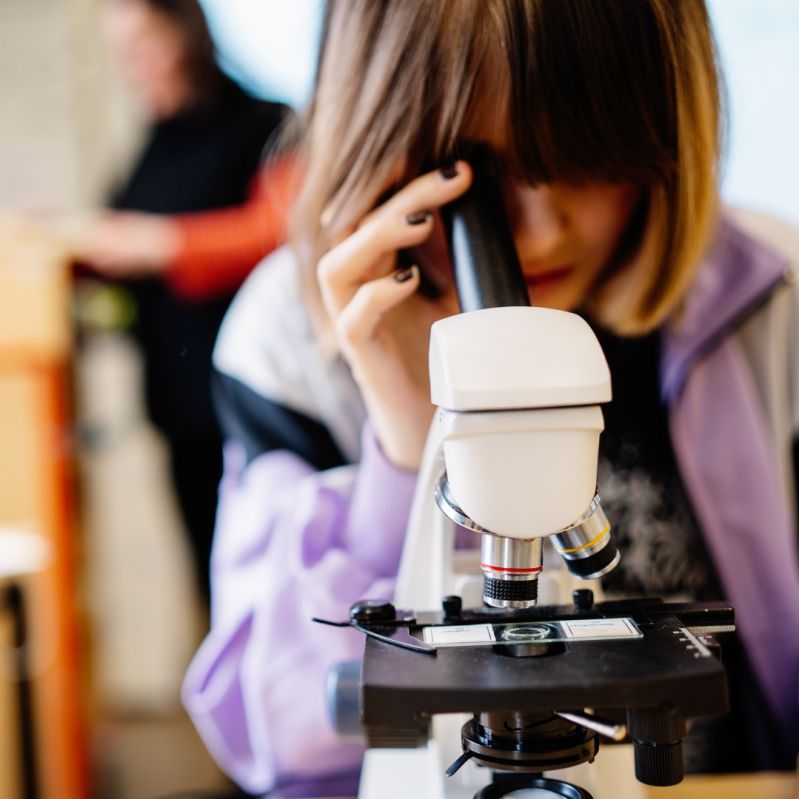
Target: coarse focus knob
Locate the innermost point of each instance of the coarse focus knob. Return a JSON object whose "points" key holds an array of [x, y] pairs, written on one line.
{"points": [[657, 734], [344, 693], [658, 765], [657, 725], [369, 611]]}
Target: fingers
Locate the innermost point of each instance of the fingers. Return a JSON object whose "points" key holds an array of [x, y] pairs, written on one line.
{"points": [[404, 221], [430, 191], [366, 254], [358, 322]]}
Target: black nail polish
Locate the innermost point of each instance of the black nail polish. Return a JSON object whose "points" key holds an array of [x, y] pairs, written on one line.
{"points": [[404, 275], [418, 217], [449, 171]]}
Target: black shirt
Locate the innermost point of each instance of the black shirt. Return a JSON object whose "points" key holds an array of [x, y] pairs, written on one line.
{"points": [[663, 553], [198, 160], [662, 550]]}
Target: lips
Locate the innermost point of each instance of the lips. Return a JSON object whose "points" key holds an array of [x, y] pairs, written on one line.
{"points": [[547, 277]]}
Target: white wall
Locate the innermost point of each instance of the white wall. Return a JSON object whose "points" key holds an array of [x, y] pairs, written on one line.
{"points": [[759, 45], [64, 126], [269, 44]]}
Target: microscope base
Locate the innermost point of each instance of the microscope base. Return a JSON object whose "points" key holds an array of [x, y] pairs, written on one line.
{"points": [[400, 773]]}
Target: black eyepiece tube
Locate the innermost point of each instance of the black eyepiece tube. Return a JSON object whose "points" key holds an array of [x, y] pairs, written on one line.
{"points": [[484, 260]]}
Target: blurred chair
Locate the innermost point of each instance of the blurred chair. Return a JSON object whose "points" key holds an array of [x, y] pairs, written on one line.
{"points": [[35, 489], [22, 555]]}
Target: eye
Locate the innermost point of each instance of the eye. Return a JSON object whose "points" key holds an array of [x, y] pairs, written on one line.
{"points": [[511, 195]]}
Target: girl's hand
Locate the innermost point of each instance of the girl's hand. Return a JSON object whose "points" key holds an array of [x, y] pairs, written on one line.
{"points": [[381, 322]]}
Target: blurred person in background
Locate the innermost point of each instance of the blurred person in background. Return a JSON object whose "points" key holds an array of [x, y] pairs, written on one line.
{"points": [[189, 222]]}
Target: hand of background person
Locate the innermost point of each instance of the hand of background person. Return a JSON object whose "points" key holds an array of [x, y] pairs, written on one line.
{"points": [[382, 323], [124, 243]]}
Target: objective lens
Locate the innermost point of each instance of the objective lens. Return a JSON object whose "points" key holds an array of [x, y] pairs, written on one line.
{"points": [[510, 565], [587, 547], [510, 571]]}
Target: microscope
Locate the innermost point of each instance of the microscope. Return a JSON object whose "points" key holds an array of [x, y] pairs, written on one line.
{"points": [[511, 458]]}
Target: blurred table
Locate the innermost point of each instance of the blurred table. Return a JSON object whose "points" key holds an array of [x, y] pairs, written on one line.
{"points": [[35, 486], [612, 776], [730, 786], [727, 786]]}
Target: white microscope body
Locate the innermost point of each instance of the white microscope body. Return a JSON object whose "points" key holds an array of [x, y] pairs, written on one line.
{"points": [[515, 438]]}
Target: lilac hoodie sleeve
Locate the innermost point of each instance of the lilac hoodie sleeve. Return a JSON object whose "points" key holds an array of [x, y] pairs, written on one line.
{"points": [[291, 543]]}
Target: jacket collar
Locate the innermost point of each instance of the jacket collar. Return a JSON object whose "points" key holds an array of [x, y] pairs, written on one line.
{"points": [[737, 273]]}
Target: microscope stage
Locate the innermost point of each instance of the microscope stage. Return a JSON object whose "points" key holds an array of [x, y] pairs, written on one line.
{"points": [[667, 665]]}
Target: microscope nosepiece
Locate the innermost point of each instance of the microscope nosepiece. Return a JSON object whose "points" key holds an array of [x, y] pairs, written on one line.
{"points": [[587, 547]]}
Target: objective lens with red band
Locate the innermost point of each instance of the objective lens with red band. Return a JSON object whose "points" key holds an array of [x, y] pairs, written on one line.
{"points": [[510, 571]]}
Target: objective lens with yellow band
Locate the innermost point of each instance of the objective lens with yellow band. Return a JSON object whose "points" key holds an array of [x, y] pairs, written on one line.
{"points": [[587, 547]]}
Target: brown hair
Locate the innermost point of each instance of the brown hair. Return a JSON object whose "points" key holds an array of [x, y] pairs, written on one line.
{"points": [[618, 90], [201, 64]]}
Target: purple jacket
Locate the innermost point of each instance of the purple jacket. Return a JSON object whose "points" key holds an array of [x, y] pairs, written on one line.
{"points": [[293, 542], [727, 453]]}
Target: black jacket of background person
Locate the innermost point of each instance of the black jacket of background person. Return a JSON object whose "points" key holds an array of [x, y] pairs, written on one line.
{"points": [[199, 160]]}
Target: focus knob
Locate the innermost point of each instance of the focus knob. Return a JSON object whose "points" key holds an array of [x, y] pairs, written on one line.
{"points": [[657, 734], [658, 764]]}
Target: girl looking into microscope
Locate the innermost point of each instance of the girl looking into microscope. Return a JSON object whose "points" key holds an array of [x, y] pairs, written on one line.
{"points": [[604, 116]]}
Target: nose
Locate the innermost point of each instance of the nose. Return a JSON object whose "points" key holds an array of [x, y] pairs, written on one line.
{"points": [[539, 222]]}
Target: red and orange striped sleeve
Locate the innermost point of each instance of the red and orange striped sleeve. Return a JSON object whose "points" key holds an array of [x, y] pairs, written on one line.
{"points": [[219, 248]]}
